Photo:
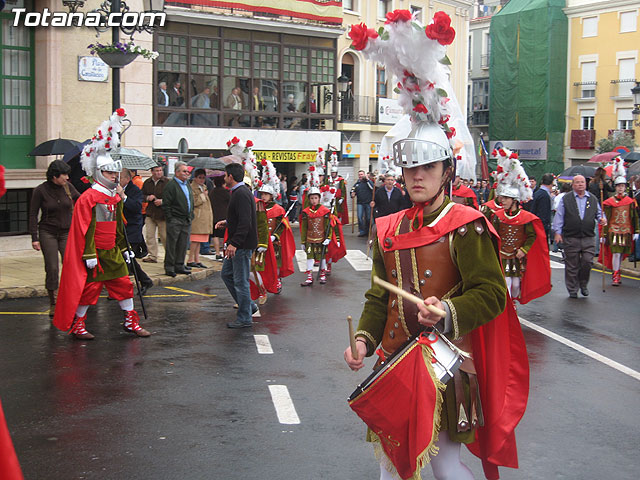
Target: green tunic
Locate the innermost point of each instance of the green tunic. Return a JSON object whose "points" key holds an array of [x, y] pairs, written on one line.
{"points": [[483, 298], [111, 263]]}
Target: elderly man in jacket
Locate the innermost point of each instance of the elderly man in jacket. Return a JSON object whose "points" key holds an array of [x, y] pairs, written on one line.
{"points": [[177, 204]]}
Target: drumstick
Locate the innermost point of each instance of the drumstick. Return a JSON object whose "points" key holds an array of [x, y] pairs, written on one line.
{"points": [[412, 298], [352, 339]]}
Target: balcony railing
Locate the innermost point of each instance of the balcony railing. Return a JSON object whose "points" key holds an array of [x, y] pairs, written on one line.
{"points": [[584, 91], [583, 139], [621, 89], [358, 109], [617, 132], [484, 61]]}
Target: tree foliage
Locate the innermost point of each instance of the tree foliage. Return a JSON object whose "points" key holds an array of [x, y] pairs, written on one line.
{"points": [[616, 139]]}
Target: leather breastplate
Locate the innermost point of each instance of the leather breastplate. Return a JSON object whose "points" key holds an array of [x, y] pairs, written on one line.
{"points": [[620, 222], [424, 271], [272, 223], [512, 238], [315, 230]]}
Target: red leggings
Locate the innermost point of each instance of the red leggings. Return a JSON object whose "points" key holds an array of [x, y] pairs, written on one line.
{"points": [[118, 288]]}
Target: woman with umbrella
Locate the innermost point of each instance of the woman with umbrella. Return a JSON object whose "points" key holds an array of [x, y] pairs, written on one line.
{"points": [[53, 200]]}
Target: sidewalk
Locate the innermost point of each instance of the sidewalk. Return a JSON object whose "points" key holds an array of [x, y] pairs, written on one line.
{"points": [[22, 269]]}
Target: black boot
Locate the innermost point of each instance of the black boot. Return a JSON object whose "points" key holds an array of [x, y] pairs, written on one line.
{"points": [[52, 302]]}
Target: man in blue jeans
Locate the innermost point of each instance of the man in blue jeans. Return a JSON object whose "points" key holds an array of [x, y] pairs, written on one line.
{"points": [[363, 190], [242, 240]]}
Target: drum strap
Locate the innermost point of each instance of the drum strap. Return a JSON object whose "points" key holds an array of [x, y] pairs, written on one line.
{"points": [[405, 272]]}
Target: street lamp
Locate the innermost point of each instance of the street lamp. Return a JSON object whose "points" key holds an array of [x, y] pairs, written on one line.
{"points": [[635, 91], [343, 84]]}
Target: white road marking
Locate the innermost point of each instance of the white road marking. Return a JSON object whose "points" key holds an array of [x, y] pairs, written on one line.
{"points": [[359, 260], [589, 353], [301, 258], [556, 264], [262, 344], [285, 409]]}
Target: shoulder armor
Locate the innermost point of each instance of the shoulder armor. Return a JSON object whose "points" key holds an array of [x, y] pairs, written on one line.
{"points": [[478, 226]]}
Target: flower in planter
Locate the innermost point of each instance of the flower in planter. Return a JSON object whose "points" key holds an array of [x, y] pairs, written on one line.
{"points": [[122, 47]]}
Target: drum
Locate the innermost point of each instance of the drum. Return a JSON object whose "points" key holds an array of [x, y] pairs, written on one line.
{"points": [[447, 358]]}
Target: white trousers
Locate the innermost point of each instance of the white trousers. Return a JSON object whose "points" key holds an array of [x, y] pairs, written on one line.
{"points": [[513, 284], [446, 465]]}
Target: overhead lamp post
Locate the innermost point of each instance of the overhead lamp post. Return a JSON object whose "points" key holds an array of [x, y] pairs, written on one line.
{"points": [[635, 91], [343, 86]]}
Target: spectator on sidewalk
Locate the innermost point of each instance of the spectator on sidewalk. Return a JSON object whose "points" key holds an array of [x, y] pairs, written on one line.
{"points": [[202, 223], [54, 199], [574, 225], [154, 224], [219, 197], [362, 191], [132, 209], [177, 204], [242, 240], [388, 199]]}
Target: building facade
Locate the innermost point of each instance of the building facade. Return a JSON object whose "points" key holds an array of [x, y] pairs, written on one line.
{"points": [[369, 107], [602, 63], [264, 72]]}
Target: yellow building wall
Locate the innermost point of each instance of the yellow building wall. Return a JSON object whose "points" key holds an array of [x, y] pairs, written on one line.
{"points": [[606, 46]]}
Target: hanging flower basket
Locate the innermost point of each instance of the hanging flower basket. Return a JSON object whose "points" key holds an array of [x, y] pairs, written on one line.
{"points": [[117, 59]]}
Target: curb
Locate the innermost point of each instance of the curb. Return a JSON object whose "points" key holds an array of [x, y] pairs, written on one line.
{"points": [[627, 271], [158, 280]]}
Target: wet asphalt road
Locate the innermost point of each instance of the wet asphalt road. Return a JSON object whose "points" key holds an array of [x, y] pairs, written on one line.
{"points": [[193, 401]]}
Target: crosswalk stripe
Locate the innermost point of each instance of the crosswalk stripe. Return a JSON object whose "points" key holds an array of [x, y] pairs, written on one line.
{"points": [[359, 260], [301, 259], [556, 264]]}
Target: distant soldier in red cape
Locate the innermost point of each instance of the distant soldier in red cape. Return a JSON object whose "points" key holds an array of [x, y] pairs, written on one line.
{"points": [[621, 229], [339, 183], [462, 194], [97, 252]]}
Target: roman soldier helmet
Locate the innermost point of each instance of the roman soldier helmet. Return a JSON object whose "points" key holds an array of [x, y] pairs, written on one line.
{"points": [[313, 191], [334, 162], [619, 173], [96, 157], [242, 153], [269, 182], [433, 128], [513, 181]]}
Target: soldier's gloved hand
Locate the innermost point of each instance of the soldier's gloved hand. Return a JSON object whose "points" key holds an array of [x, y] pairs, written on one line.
{"points": [[91, 263], [326, 242], [635, 237], [128, 256], [273, 238], [262, 249], [340, 201], [338, 244]]}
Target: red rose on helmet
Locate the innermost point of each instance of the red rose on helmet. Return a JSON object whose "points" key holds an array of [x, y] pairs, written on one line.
{"points": [[249, 143], [499, 169], [444, 119], [420, 108], [441, 29], [513, 155], [398, 16], [264, 162], [502, 153], [235, 140], [451, 133], [120, 112], [312, 168], [494, 153], [85, 180], [229, 143], [360, 35]]}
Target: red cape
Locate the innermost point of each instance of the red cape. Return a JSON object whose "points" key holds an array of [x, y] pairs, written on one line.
{"points": [[343, 210], [536, 279], [9, 465], [466, 192], [499, 350], [335, 252], [74, 272], [287, 242], [492, 205], [270, 273]]}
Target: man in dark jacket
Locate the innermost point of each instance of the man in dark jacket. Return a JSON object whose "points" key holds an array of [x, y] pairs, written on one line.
{"points": [[242, 240], [362, 191], [541, 203], [388, 199], [132, 209], [154, 224], [177, 204]]}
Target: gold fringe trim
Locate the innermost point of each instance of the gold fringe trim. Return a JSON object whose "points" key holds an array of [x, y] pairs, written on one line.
{"points": [[454, 319], [369, 337], [431, 450]]}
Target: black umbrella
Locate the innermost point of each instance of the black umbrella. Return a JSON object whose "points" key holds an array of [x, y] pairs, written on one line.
{"points": [[75, 151], [59, 146], [630, 156], [633, 170], [586, 171], [207, 162]]}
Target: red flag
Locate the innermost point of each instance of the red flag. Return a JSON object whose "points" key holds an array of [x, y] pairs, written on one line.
{"points": [[402, 408], [482, 150]]}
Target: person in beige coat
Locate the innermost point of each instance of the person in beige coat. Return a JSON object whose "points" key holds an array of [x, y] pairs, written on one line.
{"points": [[202, 223]]}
